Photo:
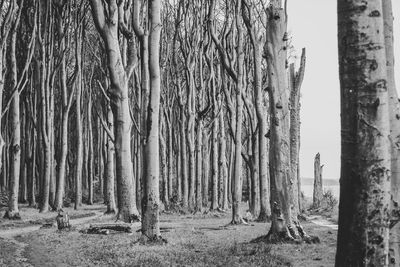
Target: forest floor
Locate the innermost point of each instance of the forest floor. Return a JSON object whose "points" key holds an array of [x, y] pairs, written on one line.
{"points": [[193, 240]]}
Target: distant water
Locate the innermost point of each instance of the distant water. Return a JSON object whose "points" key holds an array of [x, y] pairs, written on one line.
{"points": [[308, 190]]}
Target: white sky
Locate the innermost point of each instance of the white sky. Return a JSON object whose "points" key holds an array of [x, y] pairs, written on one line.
{"points": [[313, 24]]}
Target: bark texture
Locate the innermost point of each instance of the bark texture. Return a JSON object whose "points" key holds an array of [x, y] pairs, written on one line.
{"points": [[317, 192], [364, 209]]}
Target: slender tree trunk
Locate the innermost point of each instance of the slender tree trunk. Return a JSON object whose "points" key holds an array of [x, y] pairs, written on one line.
{"points": [[79, 131], [223, 164], [184, 163], [206, 169], [90, 161], [109, 168], [13, 212], [199, 165], [64, 137], [151, 220], [170, 159], [237, 179], [364, 209], [214, 147], [163, 161], [23, 177], [255, 177], [295, 81]]}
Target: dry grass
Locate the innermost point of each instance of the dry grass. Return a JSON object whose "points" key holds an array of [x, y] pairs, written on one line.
{"points": [[193, 240]]}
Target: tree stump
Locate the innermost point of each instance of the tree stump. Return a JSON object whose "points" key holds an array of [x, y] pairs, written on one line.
{"points": [[62, 220]]}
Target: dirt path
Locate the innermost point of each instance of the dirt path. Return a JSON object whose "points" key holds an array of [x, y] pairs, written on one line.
{"points": [[321, 221], [9, 235]]}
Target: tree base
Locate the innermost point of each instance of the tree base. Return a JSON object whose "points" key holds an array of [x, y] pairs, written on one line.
{"points": [[110, 212], [152, 241], [263, 217], [289, 235], [238, 221], [12, 215]]}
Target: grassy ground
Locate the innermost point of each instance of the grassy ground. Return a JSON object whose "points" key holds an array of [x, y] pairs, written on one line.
{"points": [[193, 240], [31, 216]]}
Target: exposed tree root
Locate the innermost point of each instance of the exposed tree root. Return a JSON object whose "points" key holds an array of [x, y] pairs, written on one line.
{"points": [[12, 215], [238, 221], [289, 235], [221, 210]]}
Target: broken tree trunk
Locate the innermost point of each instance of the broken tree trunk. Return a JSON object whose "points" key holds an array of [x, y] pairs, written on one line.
{"points": [[317, 193], [102, 228]]}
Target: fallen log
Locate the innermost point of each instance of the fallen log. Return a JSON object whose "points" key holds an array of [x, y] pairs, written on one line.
{"points": [[102, 228]]}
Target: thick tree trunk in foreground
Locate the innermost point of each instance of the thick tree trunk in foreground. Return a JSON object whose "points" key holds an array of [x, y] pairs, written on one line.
{"points": [[364, 209], [317, 192], [151, 197], [284, 223], [394, 119]]}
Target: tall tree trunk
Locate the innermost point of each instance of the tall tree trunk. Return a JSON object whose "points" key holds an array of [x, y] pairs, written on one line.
{"points": [[163, 161], [67, 102], [170, 158], [109, 168], [237, 179], [223, 173], [364, 209], [79, 131], [214, 147], [108, 30], [394, 117], [90, 153], [199, 165], [206, 169], [13, 212], [257, 43], [295, 81], [283, 221], [151, 220], [23, 178], [184, 162]]}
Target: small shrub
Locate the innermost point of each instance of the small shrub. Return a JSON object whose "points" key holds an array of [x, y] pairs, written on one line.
{"points": [[329, 201]]}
